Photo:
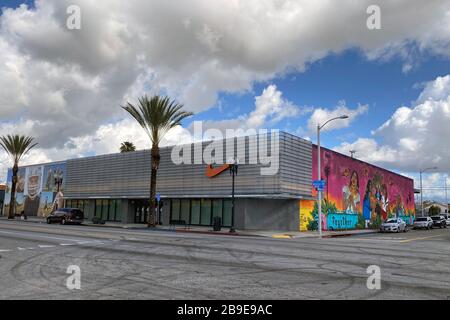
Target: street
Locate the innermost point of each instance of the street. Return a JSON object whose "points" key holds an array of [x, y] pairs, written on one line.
{"points": [[139, 264]]}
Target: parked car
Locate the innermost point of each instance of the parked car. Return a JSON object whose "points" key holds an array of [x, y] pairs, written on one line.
{"points": [[66, 216], [447, 219], [393, 225], [439, 221], [423, 223]]}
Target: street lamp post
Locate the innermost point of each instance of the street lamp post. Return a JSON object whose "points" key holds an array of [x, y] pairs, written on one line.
{"points": [[421, 190], [319, 170], [233, 172]]}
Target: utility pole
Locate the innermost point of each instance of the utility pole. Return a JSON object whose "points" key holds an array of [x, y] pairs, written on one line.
{"points": [[319, 170], [445, 187]]}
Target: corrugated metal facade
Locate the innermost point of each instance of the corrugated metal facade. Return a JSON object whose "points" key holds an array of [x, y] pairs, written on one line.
{"points": [[127, 175]]}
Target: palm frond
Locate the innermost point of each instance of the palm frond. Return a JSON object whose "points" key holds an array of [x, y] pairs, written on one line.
{"points": [[16, 146], [157, 115]]}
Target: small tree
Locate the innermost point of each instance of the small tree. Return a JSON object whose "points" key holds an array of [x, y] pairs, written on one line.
{"points": [[434, 210], [16, 146], [127, 147]]}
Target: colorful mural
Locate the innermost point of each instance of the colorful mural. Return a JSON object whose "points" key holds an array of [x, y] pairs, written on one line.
{"points": [[37, 189], [357, 194]]}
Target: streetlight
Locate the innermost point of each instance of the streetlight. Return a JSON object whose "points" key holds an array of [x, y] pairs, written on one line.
{"points": [[319, 169], [421, 190], [234, 164]]}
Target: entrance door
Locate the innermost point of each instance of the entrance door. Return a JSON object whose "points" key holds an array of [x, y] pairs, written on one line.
{"points": [[141, 212]]}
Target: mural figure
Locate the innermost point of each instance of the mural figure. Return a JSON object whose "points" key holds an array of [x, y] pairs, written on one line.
{"points": [[384, 202], [20, 188], [399, 209], [351, 195], [367, 208], [48, 183], [33, 190]]}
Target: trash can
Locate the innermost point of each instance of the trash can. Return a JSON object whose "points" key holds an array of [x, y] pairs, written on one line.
{"points": [[217, 223]]}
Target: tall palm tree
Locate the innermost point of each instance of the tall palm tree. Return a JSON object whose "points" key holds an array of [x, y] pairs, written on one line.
{"points": [[127, 147], [16, 146], [157, 116]]}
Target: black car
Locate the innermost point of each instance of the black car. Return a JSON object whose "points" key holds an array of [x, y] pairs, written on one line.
{"points": [[439, 221], [66, 216]]}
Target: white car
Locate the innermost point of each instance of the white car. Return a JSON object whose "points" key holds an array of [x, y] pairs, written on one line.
{"points": [[423, 223], [393, 225], [448, 221]]}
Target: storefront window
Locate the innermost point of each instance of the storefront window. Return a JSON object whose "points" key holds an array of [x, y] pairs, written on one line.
{"points": [[206, 212], [105, 205], [175, 212], [227, 214], [217, 208], [112, 210], [98, 209], [195, 213], [118, 210], [185, 210]]}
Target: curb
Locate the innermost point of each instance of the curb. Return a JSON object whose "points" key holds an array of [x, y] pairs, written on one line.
{"points": [[349, 234], [210, 232]]}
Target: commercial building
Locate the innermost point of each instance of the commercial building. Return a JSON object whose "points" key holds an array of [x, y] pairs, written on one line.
{"points": [[272, 195]]}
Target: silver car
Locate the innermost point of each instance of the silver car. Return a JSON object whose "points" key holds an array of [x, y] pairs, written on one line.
{"points": [[423, 223], [393, 225]]}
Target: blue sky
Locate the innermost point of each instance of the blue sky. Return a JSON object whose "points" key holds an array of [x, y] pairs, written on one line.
{"points": [[348, 76], [16, 3]]}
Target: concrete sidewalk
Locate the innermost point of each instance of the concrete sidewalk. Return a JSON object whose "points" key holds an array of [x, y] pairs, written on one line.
{"points": [[277, 234]]}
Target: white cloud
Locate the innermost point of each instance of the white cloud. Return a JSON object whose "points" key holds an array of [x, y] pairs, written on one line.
{"points": [[270, 109], [438, 89], [321, 115], [62, 86], [414, 137]]}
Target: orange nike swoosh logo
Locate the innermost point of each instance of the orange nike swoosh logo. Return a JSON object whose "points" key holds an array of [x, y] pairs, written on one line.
{"points": [[212, 172]]}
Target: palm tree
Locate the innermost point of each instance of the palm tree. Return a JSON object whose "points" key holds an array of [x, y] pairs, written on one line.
{"points": [[127, 147], [157, 116], [16, 146]]}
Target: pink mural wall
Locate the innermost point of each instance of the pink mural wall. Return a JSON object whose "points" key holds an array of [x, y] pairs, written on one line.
{"points": [[359, 194]]}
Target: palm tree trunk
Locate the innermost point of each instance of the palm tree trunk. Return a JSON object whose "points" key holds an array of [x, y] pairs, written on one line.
{"points": [[155, 164], [12, 203]]}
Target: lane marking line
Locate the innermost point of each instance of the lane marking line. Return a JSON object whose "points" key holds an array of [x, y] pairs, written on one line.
{"points": [[5, 250], [422, 238], [46, 246], [38, 236]]}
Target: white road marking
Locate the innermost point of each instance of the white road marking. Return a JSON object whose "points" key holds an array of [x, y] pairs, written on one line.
{"points": [[5, 250], [67, 244], [38, 236], [46, 246], [88, 242]]}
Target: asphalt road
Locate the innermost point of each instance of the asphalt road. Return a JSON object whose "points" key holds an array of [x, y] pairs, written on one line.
{"points": [[121, 264]]}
